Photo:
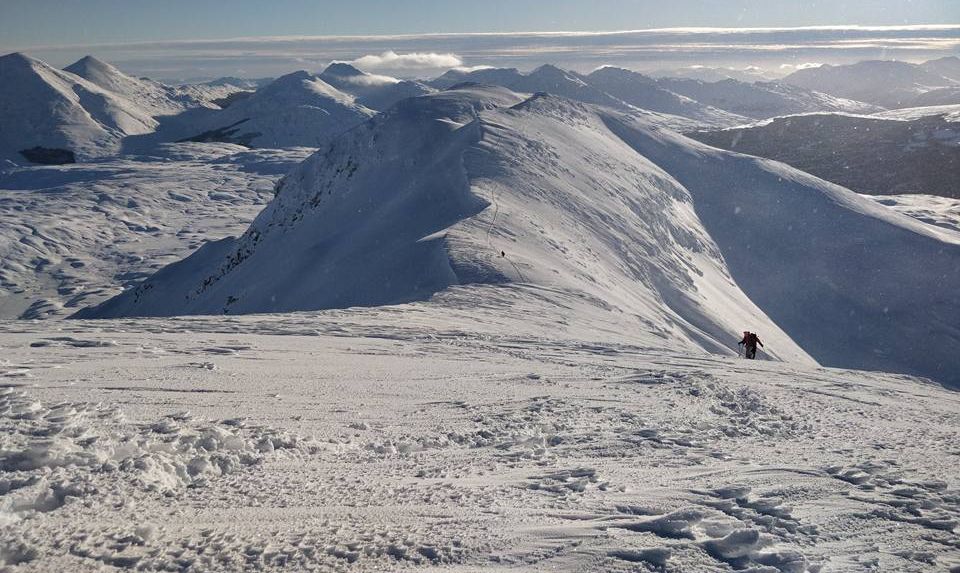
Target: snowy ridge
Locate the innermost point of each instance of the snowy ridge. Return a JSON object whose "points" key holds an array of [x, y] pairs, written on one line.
{"points": [[336, 236], [43, 107], [74, 235], [154, 97], [642, 221]]}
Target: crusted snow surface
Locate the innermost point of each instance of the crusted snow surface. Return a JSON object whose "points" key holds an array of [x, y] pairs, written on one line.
{"points": [[462, 434], [75, 235]]}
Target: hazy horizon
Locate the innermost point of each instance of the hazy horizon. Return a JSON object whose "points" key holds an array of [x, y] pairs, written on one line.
{"points": [[768, 52]]}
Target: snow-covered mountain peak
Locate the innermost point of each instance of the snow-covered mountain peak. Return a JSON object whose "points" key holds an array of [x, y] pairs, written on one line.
{"points": [[614, 73], [56, 116], [301, 85], [16, 60], [89, 66], [342, 69]]}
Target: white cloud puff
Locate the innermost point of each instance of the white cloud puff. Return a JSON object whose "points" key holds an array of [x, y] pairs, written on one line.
{"points": [[803, 66], [410, 61]]}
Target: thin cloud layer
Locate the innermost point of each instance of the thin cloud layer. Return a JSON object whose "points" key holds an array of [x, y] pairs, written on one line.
{"points": [[424, 55]]}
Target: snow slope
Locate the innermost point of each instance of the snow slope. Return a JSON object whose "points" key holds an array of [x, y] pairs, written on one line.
{"points": [[154, 97], [372, 91], [56, 110], [685, 241], [915, 150], [888, 83], [761, 100], [298, 109], [462, 437]]}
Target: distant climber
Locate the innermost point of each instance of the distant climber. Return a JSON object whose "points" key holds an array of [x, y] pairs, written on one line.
{"points": [[749, 343]]}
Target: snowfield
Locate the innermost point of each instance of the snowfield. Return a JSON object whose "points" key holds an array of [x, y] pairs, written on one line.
{"points": [[479, 431]]}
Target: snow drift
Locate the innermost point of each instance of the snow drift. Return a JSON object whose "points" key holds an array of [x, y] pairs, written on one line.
{"points": [[474, 185]]}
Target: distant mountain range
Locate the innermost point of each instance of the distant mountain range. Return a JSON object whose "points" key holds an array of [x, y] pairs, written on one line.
{"points": [[887, 83], [92, 109], [908, 151]]}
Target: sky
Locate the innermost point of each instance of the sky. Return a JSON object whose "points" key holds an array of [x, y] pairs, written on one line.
{"points": [[183, 38]]}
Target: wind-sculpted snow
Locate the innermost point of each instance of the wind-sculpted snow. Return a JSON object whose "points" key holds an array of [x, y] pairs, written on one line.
{"points": [[468, 435]]}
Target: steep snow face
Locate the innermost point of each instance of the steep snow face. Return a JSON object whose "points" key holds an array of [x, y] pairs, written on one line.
{"points": [[56, 110], [762, 100], [888, 83], [643, 92], [908, 151], [298, 109], [856, 285], [373, 91], [154, 97]]}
